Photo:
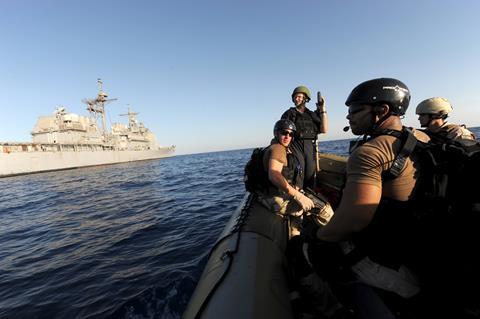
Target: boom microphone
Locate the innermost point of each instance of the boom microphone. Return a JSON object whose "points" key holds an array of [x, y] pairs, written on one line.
{"points": [[346, 128]]}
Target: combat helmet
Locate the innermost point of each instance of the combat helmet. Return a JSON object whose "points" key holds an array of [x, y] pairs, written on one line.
{"points": [[382, 90], [304, 90], [434, 105], [284, 124]]}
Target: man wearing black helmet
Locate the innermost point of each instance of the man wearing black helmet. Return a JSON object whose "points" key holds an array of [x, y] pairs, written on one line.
{"points": [[369, 222], [284, 173], [309, 124]]}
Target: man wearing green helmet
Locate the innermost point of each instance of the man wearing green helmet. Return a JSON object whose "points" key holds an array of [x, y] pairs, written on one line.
{"points": [[309, 124], [432, 114]]}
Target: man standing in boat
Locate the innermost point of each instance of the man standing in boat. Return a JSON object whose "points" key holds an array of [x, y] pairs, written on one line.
{"points": [[309, 124], [372, 211], [432, 114], [283, 195]]}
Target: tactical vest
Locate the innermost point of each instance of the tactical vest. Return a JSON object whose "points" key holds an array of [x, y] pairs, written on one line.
{"points": [[292, 173], [385, 238], [306, 127]]}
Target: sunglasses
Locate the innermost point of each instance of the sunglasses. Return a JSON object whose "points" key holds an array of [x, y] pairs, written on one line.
{"points": [[285, 133], [356, 108]]}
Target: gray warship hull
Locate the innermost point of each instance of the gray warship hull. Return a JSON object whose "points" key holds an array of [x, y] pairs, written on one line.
{"points": [[19, 163]]}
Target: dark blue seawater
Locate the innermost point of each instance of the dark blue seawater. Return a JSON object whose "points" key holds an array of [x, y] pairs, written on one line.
{"points": [[119, 241]]}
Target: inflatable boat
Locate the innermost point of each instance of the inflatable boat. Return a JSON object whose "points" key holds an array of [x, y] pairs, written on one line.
{"points": [[247, 273]]}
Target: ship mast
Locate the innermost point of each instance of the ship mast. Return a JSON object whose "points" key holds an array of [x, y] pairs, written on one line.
{"points": [[132, 120], [96, 106], [101, 98]]}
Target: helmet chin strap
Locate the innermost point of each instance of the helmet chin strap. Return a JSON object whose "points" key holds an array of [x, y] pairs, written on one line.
{"points": [[430, 119], [376, 125], [277, 138]]}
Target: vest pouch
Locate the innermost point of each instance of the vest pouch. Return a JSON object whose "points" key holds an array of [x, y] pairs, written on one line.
{"points": [[306, 128]]}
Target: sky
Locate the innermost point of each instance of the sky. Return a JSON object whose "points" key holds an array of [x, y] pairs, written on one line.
{"points": [[215, 75]]}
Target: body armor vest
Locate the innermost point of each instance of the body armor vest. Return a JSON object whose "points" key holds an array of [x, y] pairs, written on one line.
{"points": [[307, 129]]}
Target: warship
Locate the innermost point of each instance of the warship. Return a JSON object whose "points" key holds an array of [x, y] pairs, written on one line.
{"points": [[67, 140]]}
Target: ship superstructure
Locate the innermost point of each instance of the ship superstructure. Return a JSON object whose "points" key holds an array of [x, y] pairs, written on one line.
{"points": [[67, 140]]}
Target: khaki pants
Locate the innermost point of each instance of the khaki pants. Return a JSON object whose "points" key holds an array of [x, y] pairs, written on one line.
{"points": [[286, 209]]}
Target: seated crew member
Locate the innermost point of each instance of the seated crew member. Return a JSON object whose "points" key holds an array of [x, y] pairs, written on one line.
{"points": [[309, 124], [367, 220], [432, 114], [284, 196]]}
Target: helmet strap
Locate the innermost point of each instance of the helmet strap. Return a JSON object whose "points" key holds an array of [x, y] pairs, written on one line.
{"points": [[275, 137], [376, 124], [430, 119]]}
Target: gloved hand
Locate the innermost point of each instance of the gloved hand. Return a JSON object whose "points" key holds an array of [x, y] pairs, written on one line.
{"points": [[305, 202]]}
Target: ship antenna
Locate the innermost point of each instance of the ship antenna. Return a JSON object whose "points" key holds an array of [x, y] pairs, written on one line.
{"points": [[131, 117], [100, 83], [96, 106]]}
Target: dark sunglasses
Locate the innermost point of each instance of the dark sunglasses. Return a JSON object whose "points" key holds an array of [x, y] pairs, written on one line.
{"points": [[285, 133], [353, 109]]}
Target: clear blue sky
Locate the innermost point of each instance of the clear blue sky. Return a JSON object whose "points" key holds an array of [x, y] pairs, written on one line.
{"points": [[216, 74]]}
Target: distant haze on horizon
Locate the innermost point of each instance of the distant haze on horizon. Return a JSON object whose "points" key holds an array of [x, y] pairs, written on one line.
{"points": [[216, 75]]}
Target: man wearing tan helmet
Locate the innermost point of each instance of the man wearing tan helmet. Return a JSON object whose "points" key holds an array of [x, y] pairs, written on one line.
{"points": [[432, 114]]}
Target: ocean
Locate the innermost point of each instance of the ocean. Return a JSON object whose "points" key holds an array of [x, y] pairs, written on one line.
{"points": [[118, 241]]}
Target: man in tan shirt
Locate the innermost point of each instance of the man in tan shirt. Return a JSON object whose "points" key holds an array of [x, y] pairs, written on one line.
{"points": [[432, 114], [284, 195], [363, 216]]}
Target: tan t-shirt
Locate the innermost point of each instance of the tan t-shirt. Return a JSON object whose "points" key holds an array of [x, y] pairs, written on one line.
{"points": [[277, 152], [367, 163]]}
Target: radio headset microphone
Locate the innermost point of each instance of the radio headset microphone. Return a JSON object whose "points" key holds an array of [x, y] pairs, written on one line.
{"points": [[346, 128]]}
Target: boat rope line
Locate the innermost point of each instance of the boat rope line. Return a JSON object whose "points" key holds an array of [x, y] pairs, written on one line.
{"points": [[227, 255]]}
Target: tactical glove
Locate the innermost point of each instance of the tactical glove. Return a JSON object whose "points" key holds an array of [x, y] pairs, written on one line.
{"points": [[305, 202]]}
